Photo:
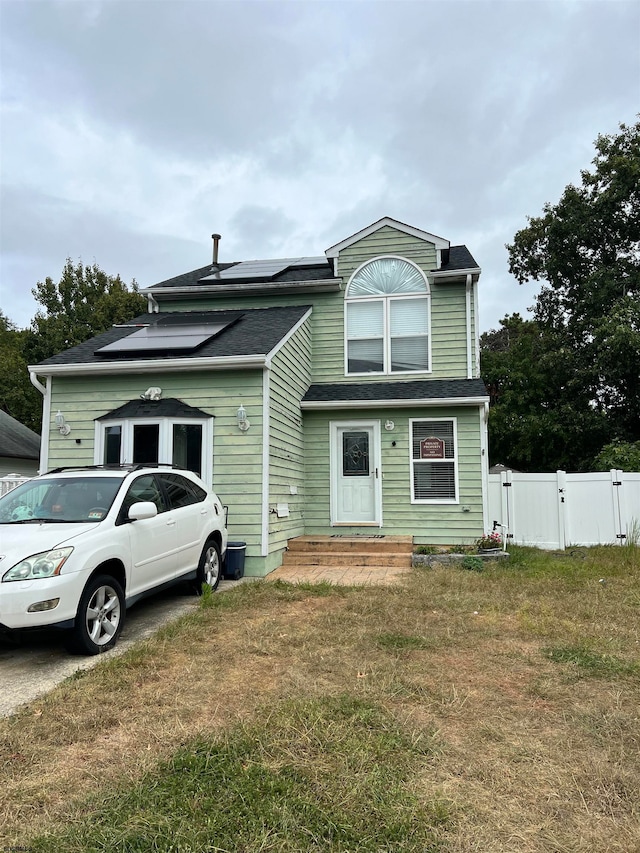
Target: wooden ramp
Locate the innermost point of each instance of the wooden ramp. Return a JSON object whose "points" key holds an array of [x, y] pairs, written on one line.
{"points": [[346, 560]]}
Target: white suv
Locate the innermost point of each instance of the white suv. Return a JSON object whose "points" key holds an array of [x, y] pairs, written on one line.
{"points": [[80, 545]]}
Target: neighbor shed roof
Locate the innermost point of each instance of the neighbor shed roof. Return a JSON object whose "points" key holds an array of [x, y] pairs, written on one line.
{"points": [[17, 440]]}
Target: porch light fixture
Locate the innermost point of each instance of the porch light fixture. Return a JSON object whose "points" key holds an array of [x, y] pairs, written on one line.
{"points": [[62, 425], [241, 416]]}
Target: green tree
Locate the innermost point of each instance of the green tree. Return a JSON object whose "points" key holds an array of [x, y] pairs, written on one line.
{"points": [[585, 252], [18, 397], [541, 419], [624, 455], [85, 302]]}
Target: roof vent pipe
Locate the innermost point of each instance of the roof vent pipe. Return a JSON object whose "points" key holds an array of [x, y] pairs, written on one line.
{"points": [[216, 239]]}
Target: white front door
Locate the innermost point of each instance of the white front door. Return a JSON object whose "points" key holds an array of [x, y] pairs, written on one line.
{"points": [[355, 473]]}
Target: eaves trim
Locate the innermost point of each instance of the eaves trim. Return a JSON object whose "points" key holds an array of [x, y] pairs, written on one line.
{"points": [[173, 365], [454, 273], [393, 404], [439, 242], [322, 285]]}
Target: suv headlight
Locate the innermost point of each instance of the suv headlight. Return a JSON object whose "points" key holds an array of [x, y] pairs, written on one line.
{"points": [[42, 565]]}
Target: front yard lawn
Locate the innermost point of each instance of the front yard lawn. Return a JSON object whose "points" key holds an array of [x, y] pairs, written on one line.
{"points": [[459, 712]]}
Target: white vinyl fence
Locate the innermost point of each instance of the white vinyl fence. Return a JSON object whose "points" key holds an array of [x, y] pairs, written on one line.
{"points": [[10, 482], [559, 510]]}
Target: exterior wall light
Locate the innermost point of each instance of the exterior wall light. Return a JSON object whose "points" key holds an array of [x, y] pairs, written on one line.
{"points": [[62, 425], [241, 416]]}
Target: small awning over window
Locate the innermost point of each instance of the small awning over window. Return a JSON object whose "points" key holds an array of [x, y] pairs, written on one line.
{"points": [[169, 408]]}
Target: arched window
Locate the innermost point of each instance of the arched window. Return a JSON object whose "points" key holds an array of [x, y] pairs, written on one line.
{"points": [[387, 318]]}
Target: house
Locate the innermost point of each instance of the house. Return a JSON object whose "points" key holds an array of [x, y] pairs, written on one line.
{"points": [[327, 395], [19, 448]]}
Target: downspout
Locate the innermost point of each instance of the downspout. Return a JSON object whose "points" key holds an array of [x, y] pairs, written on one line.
{"points": [[476, 336], [484, 462], [467, 294], [152, 304], [46, 419], [266, 436]]}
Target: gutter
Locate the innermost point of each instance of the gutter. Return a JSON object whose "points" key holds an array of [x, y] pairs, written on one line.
{"points": [[315, 286], [467, 296], [434, 274], [319, 405], [172, 365]]}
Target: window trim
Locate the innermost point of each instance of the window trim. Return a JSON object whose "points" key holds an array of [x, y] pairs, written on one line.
{"points": [[386, 340], [435, 501], [165, 440]]}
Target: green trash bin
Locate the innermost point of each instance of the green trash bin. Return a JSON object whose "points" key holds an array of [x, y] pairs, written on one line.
{"points": [[234, 563]]}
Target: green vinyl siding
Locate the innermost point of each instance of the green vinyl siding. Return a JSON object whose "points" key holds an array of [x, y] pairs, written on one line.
{"points": [[459, 523], [448, 304], [448, 310], [237, 456], [327, 326], [290, 377]]}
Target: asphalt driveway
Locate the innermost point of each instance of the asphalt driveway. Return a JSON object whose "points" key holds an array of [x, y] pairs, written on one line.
{"points": [[36, 662]]}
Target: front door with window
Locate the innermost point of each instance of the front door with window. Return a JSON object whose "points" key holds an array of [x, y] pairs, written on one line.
{"points": [[355, 473]]}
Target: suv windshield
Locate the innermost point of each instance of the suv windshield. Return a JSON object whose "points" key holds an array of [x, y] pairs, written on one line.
{"points": [[60, 499]]}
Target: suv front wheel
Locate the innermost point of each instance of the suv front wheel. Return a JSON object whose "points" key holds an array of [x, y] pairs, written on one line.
{"points": [[100, 617]]}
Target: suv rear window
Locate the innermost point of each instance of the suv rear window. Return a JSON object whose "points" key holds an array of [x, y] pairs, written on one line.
{"points": [[181, 491]]}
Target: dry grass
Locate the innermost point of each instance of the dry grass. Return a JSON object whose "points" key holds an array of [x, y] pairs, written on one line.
{"points": [[525, 679]]}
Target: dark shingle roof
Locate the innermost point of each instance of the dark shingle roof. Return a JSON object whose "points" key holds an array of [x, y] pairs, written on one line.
{"points": [[17, 440], [256, 332], [457, 258], [194, 278], [428, 389], [169, 408]]}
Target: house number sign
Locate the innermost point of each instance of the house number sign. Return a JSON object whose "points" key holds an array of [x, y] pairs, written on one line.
{"points": [[432, 448]]}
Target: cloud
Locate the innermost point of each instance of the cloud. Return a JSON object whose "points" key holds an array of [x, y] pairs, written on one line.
{"points": [[132, 131]]}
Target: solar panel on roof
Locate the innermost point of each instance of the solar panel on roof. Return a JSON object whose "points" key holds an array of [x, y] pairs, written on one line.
{"points": [[311, 261], [263, 269], [169, 335], [252, 269]]}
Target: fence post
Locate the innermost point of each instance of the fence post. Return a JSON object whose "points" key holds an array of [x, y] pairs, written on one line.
{"points": [[561, 480], [506, 502], [619, 515]]}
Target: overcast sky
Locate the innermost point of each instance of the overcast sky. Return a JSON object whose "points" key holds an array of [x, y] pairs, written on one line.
{"points": [[130, 131]]}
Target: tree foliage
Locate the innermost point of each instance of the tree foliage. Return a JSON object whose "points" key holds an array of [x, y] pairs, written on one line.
{"points": [[18, 397], [84, 302], [568, 381], [540, 417], [623, 455]]}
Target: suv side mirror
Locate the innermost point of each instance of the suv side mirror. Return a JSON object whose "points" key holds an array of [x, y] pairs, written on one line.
{"points": [[141, 510]]}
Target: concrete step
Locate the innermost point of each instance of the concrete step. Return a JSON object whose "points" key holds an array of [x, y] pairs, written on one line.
{"points": [[352, 558], [351, 544]]}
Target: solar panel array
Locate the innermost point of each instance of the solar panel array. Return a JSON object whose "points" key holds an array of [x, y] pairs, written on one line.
{"points": [[263, 269], [169, 335]]}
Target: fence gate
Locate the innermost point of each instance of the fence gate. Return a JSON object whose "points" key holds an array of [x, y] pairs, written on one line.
{"points": [[559, 510]]}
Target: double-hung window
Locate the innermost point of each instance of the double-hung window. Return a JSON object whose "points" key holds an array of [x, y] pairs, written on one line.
{"points": [[387, 318], [434, 461]]}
